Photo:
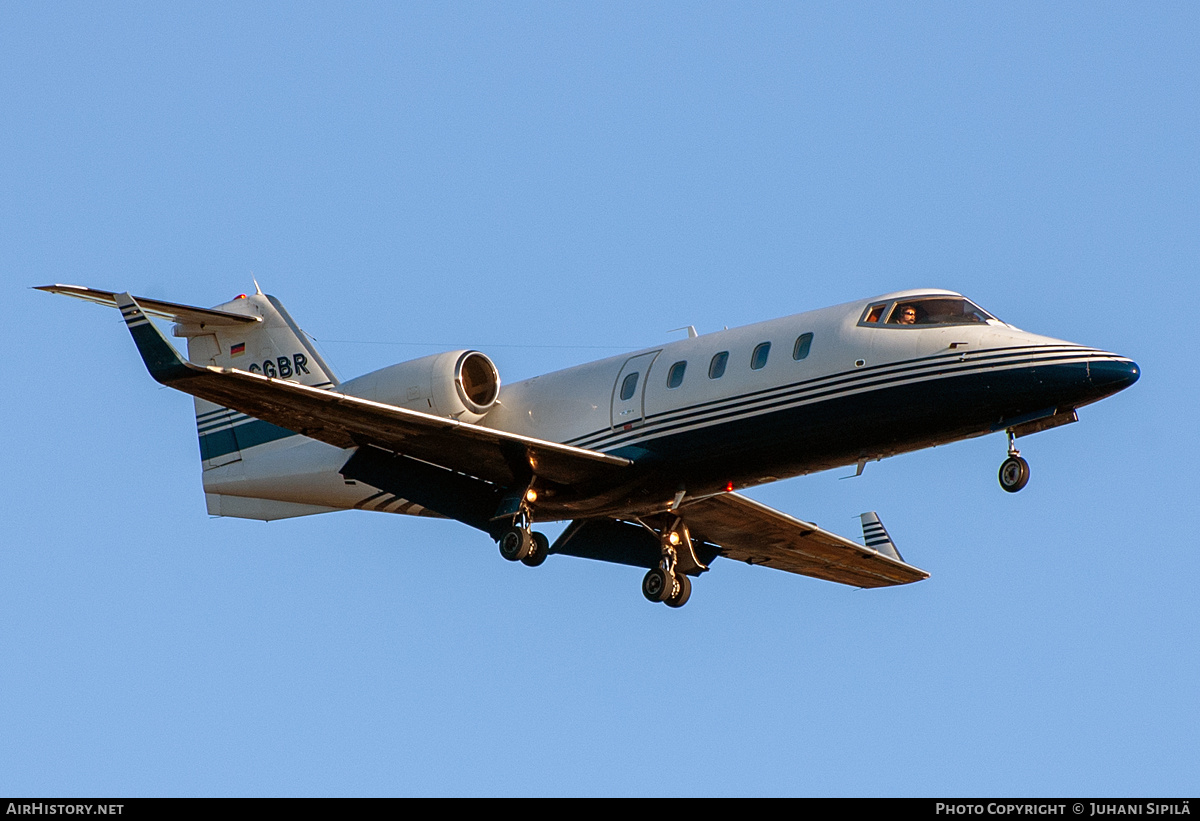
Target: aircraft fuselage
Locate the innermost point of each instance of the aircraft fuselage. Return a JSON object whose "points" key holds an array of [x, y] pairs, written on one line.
{"points": [[858, 392], [642, 451]]}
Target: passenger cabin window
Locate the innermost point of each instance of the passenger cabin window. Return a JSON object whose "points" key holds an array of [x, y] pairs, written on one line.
{"points": [[803, 343], [628, 387], [937, 311], [675, 375], [759, 358], [716, 368]]}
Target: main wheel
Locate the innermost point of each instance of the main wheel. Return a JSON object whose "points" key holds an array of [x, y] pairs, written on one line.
{"points": [[515, 544], [1014, 474], [537, 551], [683, 591], [657, 585]]}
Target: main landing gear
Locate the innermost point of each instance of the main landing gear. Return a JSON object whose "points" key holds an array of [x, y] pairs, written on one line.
{"points": [[1014, 471], [670, 588], [520, 544], [667, 583]]}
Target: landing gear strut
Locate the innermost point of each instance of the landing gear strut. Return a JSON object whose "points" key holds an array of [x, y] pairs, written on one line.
{"points": [[667, 583], [1014, 471]]}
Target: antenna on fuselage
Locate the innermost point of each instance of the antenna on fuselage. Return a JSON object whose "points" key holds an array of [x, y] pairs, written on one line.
{"points": [[691, 331]]}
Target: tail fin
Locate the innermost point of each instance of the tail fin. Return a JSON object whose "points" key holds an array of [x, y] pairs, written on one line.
{"points": [[251, 333], [274, 346]]}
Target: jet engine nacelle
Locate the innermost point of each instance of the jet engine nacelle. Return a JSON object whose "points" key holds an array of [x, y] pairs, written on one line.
{"points": [[463, 385]]}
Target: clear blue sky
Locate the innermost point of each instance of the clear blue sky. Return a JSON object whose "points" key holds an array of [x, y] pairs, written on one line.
{"points": [[552, 183]]}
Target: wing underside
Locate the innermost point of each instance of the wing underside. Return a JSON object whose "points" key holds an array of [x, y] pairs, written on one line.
{"points": [[754, 533]]}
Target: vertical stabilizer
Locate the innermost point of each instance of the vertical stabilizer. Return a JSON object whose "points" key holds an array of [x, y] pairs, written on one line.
{"points": [[252, 469], [274, 347]]}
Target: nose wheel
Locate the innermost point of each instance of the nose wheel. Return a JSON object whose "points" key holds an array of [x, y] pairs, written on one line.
{"points": [[1014, 471], [1014, 474]]}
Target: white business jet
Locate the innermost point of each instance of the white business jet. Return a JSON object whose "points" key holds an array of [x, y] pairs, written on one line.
{"points": [[642, 452]]}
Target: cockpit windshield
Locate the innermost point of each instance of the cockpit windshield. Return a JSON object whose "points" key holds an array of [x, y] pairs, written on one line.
{"points": [[930, 310]]}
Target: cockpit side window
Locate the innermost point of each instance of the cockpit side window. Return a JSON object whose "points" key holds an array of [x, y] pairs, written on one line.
{"points": [[937, 311], [908, 313], [874, 313]]}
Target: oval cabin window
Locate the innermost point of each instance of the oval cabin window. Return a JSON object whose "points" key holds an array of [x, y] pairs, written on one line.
{"points": [[803, 343], [628, 387], [716, 368], [759, 358], [675, 375]]}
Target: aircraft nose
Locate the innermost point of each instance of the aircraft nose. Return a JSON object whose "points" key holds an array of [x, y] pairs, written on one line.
{"points": [[1113, 375]]}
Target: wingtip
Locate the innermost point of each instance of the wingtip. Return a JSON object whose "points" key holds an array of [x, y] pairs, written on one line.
{"points": [[161, 358]]}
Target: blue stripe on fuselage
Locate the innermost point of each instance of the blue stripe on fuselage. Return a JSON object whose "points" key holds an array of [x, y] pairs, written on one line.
{"points": [[240, 437], [884, 421], [925, 369]]}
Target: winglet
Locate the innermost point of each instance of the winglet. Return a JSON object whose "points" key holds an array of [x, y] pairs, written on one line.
{"points": [[877, 538], [161, 358]]}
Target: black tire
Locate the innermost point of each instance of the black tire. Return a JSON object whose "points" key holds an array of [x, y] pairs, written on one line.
{"points": [[537, 551], [515, 544], [657, 584], [1014, 474], [682, 594]]}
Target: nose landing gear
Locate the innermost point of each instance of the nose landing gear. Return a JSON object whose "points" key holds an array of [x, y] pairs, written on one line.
{"points": [[1014, 471]]}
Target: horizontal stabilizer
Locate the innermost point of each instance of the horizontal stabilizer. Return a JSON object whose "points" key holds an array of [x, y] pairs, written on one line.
{"points": [[183, 314]]}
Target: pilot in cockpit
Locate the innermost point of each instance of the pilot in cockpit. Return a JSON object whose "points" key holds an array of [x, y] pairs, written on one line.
{"points": [[908, 315]]}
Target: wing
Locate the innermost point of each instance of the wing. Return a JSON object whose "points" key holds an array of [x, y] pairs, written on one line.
{"points": [[347, 421], [751, 532]]}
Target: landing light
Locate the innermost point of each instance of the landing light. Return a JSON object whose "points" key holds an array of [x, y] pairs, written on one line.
{"points": [[531, 495], [673, 538]]}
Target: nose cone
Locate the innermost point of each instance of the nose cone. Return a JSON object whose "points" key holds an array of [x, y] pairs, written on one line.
{"points": [[1113, 375]]}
